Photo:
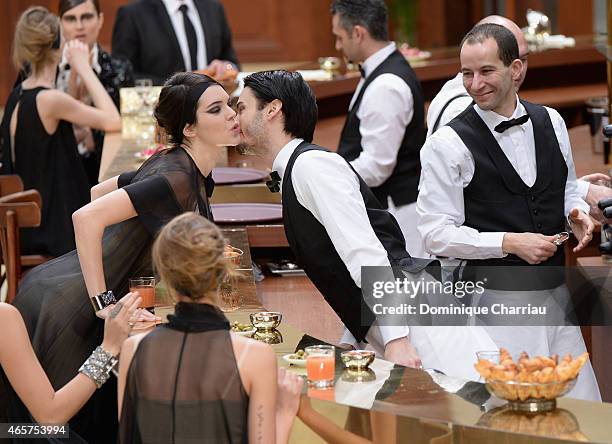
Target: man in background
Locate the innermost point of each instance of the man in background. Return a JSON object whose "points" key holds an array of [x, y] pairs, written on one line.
{"points": [[161, 37], [384, 131]]}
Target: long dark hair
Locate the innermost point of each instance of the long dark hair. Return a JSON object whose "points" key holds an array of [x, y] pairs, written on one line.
{"points": [[66, 5]]}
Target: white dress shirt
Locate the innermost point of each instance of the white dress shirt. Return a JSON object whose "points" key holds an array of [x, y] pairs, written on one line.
{"points": [[450, 89], [176, 17], [448, 167], [326, 186], [385, 111]]}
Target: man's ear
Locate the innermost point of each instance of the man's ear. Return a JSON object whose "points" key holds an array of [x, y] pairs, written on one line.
{"points": [[273, 108], [358, 33], [516, 67]]}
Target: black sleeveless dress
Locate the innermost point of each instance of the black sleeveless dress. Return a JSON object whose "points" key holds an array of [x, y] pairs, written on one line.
{"points": [[53, 299], [183, 384], [49, 163]]}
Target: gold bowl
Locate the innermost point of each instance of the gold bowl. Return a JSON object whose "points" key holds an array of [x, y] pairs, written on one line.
{"points": [[357, 360], [271, 336], [266, 320]]}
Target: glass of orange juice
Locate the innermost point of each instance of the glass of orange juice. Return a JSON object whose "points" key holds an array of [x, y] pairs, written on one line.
{"points": [[145, 286], [320, 365]]}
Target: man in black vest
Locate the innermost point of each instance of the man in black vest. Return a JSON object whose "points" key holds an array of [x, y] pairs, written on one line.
{"points": [[333, 222], [497, 184], [384, 129]]}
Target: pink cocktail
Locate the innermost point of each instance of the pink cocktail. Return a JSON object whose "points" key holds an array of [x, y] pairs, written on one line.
{"points": [[320, 365]]}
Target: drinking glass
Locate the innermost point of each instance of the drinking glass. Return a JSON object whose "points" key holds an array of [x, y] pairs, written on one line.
{"points": [[320, 365], [145, 286]]}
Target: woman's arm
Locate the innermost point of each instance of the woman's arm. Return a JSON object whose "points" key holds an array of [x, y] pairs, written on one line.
{"points": [[29, 380], [260, 372], [61, 106], [89, 224], [127, 353], [103, 188], [326, 429]]}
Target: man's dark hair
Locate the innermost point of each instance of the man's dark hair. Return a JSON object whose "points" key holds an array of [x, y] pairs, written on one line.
{"points": [[507, 46], [299, 103], [67, 5], [371, 14]]}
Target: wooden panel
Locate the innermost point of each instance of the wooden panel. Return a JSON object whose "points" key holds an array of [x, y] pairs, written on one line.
{"points": [[274, 30]]}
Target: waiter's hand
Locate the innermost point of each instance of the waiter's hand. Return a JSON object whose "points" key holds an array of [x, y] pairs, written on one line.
{"points": [[531, 247], [582, 227], [400, 351]]}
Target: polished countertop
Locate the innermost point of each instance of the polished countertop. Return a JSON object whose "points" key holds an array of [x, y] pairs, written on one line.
{"points": [[417, 405]]}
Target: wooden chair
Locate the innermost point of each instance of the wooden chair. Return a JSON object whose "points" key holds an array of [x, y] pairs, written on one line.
{"points": [[10, 183], [18, 210]]}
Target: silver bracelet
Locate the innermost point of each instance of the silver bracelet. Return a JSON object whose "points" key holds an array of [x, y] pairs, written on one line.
{"points": [[98, 366]]}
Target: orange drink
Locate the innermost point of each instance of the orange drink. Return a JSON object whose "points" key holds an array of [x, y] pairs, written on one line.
{"points": [[145, 286], [320, 365]]}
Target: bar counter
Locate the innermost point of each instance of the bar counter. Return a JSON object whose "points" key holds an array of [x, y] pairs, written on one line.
{"points": [[408, 405], [392, 403]]}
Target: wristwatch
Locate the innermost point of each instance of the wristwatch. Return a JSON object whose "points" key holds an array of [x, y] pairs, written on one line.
{"points": [[103, 300]]}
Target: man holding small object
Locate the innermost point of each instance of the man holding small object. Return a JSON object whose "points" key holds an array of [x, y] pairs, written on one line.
{"points": [[498, 184]]}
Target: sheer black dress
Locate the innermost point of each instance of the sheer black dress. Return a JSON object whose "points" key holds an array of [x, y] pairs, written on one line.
{"points": [[49, 163], [53, 299], [183, 384]]}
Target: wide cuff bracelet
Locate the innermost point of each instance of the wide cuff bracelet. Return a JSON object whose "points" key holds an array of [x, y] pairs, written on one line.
{"points": [[98, 366], [103, 300]]}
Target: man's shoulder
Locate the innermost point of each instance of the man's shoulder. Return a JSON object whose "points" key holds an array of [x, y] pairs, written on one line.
{"points": [[138, 6]]}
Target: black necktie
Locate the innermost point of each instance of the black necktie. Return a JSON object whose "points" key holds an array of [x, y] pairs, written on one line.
{"points": [[274, 182], [362, 71], [192, 40], [510, 123]]}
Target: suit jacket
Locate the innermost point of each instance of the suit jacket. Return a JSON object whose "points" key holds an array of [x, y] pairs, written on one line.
{"points": [[143, 33]]}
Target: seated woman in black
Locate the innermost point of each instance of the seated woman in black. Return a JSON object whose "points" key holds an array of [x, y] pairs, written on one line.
{"points": [[37, 136], [114, 234], [192, 380]]}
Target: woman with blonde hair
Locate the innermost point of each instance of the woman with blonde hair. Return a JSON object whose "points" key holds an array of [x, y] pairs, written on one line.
{"points": [[37, 135], [192, 379]]}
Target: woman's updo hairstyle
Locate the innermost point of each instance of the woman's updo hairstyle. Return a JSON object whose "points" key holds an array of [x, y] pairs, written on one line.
{"points": [[188, 255], [36, 39], [169, 111]]}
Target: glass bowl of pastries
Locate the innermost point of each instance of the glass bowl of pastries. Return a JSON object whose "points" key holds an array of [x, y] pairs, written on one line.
{"points": [[529, 384]]}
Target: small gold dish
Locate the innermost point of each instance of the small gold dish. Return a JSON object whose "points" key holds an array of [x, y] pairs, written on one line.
{"points": [[266, 320], [272, 336], [366, 375], [357, 360]]}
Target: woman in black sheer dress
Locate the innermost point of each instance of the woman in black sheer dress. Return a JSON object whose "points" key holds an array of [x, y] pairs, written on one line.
{"points": [[191, 380], [114, 234]]}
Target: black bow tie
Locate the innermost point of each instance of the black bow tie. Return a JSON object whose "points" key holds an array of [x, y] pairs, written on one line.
{"points": [[510, 123], [274, 182], [362, 71]]}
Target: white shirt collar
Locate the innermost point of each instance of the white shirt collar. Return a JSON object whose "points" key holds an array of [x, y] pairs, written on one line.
{"points": [[492, 119], [172, 6], [95, 64], [282, 158], [372, 62]]}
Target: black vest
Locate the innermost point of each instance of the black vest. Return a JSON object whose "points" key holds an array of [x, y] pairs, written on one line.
{"points": [[404, 180], [497, 199], [316, 253]]}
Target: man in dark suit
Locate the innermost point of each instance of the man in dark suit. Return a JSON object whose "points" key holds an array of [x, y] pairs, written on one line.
{"points": [[161, 37]]}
